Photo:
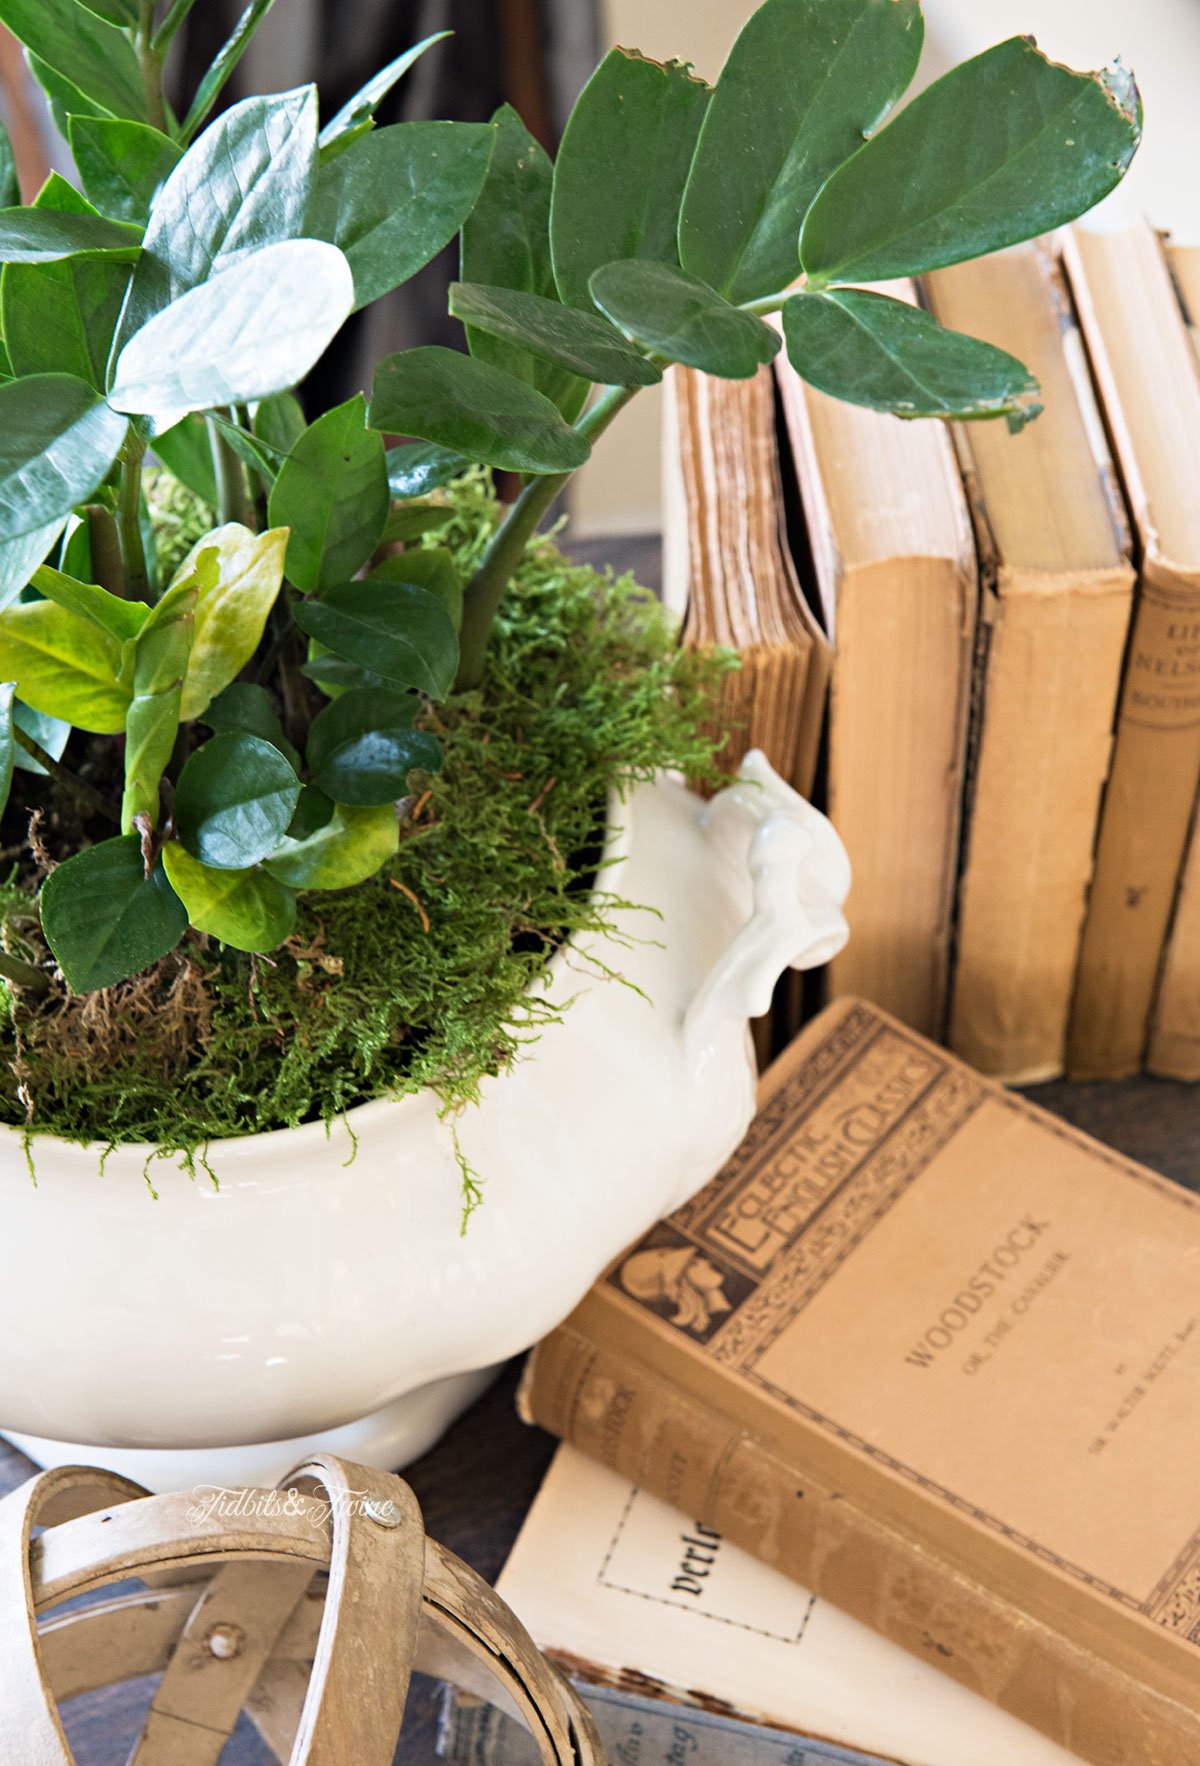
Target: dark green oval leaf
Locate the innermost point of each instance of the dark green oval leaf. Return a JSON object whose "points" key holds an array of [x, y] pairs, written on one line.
{"points": [[395, 198], [582, 342], [872, 350], [475, 409], [253, 330], [429, 567], [249, 708], [40, 236], [802, 87], [362, 747], [234, 800], [90, 55], [186, 451], [246, 909], [279, 422], [57, 441], [677, 316], [400, 633], [104, 919], [416, 468], [332, 492], [1004, 147], [506, 244], [361, 108], [61, 317], [622, 167], [121, 165]]}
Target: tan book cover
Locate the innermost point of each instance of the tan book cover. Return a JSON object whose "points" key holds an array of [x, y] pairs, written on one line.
{"points": [[1174, 1049], [728, 573], [622, 1590], [893, 562], [1146, 372], [937, 1355], [1057, 588]]}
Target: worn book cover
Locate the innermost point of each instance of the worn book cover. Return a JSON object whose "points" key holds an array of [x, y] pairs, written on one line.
{"points": [[626, 1593], [1056, 591], [937, 1355], [888, 547], [1146, 372]]}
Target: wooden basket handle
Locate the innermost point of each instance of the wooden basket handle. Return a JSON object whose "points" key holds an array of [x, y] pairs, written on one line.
{"points": [[394, 1600]]}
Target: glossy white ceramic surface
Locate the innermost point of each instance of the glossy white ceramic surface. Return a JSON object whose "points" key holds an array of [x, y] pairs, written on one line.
{"points": [[324, 1279]]}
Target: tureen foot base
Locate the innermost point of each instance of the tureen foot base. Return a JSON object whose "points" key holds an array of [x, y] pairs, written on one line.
{"points": [[388, 1439]]}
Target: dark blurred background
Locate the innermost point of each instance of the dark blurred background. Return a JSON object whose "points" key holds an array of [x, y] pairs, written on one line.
{"points": [[534, 54]]}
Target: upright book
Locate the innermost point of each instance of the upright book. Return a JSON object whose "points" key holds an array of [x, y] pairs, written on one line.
{"points": [[936, 1355], [893, 562], [1056, 592], [728, 572], [630, 1597], [1147, 375], [1174, 1048]]}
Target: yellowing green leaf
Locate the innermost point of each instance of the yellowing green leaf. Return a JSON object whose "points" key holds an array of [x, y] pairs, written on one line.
{"points": [[349, 848], [247, 909], [66, 666], [231, 613]]}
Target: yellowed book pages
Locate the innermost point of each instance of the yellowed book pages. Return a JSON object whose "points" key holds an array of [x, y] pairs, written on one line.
{"points": [[1174, 1049], [729, 573], [1149, 384], [894, 566], [1057, 590], [936, 1355], [623, 1590]]}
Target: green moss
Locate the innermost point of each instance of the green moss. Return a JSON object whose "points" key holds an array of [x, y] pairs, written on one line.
{"points": [[419, 977]]}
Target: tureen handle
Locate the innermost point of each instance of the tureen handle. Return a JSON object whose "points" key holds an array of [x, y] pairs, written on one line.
{"points": [[799, 877]]}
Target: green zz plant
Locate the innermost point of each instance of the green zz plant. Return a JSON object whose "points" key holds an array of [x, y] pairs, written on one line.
{"points": [[264, 706]]}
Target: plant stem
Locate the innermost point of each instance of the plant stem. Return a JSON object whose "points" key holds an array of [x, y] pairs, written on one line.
{"points": [[485, 591], [150, 63], [770, 303], [176, 13], [105, 544], [23, 974], [233, 502], [129, 517], [70, 781]]}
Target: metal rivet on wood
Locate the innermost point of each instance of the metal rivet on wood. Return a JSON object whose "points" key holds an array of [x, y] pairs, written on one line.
{"points": [[308, 1607]]}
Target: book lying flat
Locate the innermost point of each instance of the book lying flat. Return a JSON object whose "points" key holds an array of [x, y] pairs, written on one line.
{"points": [[936, 1355], [630, 1596], [1174, 1048], [1146, 372], [1057, 588], [893, 560], [728, 573]]}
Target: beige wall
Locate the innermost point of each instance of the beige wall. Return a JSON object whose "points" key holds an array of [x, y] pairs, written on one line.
{"points": [[619, 489]]}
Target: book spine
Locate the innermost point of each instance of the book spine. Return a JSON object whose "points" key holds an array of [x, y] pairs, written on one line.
{"points": [[1041, 752], [634, 1729], [1143, 831], [661, 1438]]}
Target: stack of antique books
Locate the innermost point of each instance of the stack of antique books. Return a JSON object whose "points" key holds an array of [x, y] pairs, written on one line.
{"points": [[1003, 631], [935, 1357]]}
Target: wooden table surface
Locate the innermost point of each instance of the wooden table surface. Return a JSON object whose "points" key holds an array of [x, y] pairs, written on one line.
{"points": [[476, 1485]]}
